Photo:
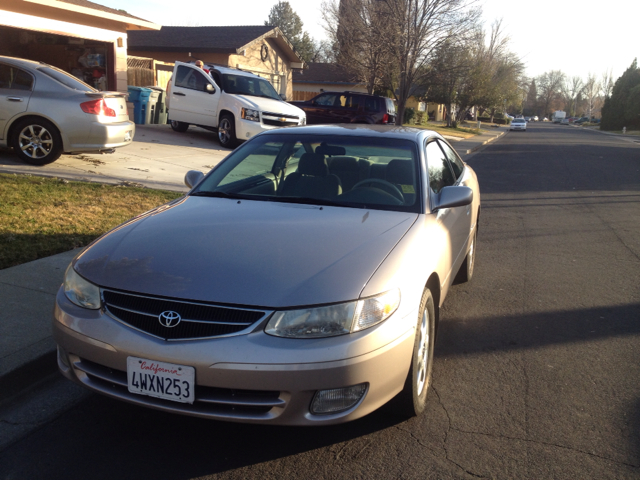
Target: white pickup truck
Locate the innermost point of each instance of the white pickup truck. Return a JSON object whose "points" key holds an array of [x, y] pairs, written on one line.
{"points": [[235, 103]]}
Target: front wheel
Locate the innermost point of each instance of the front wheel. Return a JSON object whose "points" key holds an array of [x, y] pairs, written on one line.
{"points": [[37, 141], [179, 126], [412, 400], [227, 132]]}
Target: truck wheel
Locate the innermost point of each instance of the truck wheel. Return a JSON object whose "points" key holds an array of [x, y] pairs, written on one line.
{"points": [[37, 141], [179, 126], [227, 131]]}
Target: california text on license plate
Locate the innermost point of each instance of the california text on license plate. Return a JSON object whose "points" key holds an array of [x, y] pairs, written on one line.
{"points": [[161, 379]]}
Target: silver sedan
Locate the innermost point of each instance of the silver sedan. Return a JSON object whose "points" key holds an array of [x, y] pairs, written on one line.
{"points": [[45, 112], [299, 282]]}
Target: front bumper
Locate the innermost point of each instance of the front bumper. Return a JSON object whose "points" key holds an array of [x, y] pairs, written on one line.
{"points": [[246, 129], [93, 350]]}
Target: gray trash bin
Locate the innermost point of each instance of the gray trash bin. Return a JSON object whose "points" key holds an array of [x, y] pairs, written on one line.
{"points": [[151, 106], [160, 114]]}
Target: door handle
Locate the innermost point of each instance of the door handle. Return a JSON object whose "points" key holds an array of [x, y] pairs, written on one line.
{"points": [[180, 94], [14, 99]]}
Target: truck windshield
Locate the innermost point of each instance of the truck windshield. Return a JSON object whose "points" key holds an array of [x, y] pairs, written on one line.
{"points": [[243, 85]]}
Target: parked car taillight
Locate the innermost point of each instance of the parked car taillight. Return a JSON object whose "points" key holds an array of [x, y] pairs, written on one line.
{"points": [[98, 107], [385, 118]]}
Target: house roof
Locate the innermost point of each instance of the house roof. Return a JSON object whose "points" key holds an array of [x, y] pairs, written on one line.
{"points": [[96, 10], [328, 73], [232, 40]]}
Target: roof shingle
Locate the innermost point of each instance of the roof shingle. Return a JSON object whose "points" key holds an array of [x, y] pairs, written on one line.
{"points": [[197, 39], [324, 73]]}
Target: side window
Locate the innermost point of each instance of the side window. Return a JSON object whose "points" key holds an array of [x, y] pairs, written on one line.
{"points": [[456, 164], [372, 104], [440, 174], [348, 101], [15, 79], [326, 100], [190, 78]]}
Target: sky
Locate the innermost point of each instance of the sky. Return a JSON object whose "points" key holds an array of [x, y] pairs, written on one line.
{"points": [[576, 36]]}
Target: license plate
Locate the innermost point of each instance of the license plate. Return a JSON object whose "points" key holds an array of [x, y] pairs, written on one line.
{"points": [[161, 379]]}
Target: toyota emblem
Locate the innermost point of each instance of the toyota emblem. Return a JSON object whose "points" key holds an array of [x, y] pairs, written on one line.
{"points": [[169, 319]]}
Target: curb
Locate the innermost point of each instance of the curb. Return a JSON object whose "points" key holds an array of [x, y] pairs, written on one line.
{"points": [[22, 379], [477, 147]]}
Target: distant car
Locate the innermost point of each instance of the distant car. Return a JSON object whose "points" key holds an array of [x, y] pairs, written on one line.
{"points": [[297, 283], [47, 112], [564, 121], [534, 118], [518, 124], [519, 116], [545, 119], [527, 119], [581, 120], [348, 107]]}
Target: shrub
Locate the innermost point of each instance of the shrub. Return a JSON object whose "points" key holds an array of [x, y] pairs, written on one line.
{"points": [[419, 118], [409, 113]]}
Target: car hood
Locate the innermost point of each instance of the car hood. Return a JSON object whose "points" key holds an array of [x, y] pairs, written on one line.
{"points": [[264, 254], [269, 105]]}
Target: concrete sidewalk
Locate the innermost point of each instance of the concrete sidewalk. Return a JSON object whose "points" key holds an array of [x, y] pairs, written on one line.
{"points": [[27, 291]]}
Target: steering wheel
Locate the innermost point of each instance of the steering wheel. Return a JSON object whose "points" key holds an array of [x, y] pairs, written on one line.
{"points": [[386, 186]]}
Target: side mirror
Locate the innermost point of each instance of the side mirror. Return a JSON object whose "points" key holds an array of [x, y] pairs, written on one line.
{"points": [[209, 88], [192, 178], [283, 97], [454, 197]]}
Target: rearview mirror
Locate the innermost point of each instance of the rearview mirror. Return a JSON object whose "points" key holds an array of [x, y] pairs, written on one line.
{"points": [[192, 178], [454, 197], [283, 97], [209, 88]]}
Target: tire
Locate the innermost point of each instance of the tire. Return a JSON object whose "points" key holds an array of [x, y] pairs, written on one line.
{"points": [[36, 141], [227, 131], [466, 269], [179, 126], [412, 400]]}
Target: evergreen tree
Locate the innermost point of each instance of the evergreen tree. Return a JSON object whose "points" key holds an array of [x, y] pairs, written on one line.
{"points": [[622, 108], [282, 15]]}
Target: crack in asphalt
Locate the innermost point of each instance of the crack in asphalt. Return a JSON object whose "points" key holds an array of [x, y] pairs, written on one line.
{"points": [[548, 444], [446, 437]]}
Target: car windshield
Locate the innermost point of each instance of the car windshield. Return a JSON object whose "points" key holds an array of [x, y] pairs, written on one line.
{"points": [[66, 79], [358, 172], [244, 85], [518, 120]]}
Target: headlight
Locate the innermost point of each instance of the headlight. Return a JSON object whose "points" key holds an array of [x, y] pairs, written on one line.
{"points": [[80, 291], [253, 115], [334, 320]]}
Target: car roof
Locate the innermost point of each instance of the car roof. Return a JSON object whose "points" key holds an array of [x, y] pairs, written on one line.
{"points": [[356, 93], [359, 130], [22, 62]]}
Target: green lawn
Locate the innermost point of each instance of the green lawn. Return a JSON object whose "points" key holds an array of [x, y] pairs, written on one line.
{"points": [[43, 216]]}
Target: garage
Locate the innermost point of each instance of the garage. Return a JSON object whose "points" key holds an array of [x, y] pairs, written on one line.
{"points": [[82, 38]]}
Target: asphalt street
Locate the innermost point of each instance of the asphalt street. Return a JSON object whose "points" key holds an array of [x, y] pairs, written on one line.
{"points": [[536, 367]]}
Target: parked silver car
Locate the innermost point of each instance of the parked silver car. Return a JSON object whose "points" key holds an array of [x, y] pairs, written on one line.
{"points": [[299, 282], [44, 112]]}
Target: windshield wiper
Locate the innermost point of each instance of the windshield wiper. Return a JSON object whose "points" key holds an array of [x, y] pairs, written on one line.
{"points": [[218, 194], [308, 201]]}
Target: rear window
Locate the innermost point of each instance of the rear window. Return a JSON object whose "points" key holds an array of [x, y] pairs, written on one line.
{"points": [[65, 79]]}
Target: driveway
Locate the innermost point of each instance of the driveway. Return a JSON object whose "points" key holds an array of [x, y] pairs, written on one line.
{"points": [[157, 158]]}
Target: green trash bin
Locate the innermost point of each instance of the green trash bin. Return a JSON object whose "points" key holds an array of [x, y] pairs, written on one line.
{"points": [[160, 114], [151, 106]]}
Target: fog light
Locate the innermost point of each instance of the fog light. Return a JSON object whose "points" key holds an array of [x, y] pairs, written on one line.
{"points": [[338, 399]]}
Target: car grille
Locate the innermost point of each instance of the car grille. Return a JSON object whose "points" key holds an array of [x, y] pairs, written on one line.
{"points": [[209, 401], [197, 320], [279, 119]]}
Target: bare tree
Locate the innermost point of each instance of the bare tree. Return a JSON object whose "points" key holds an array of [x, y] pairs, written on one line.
{"points": [[550, 89], [356, 30], [607, 83], [573, 87], [591, 92]]}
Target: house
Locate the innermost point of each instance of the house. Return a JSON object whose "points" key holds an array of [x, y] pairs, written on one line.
{"points": [[323, 77], [262, 50], [80, 37]]}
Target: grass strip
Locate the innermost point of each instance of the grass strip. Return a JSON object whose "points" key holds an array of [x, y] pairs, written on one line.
{"points": [[42, 216]]}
